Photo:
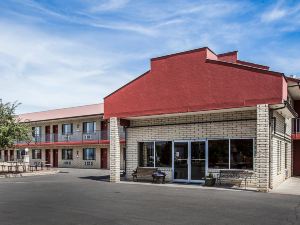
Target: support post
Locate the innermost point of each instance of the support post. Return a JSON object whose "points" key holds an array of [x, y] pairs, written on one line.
{"points": [[262, 159], [114, 151]]}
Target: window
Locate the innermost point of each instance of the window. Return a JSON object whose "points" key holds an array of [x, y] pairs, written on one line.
{"points": [[67, 128], [89, 154], [20, 154], [278, 157], [36, 154], [89, 127], [36, 133], [67, 154], [218, 154], [146, 154], [241, 154], [285, 155], [155, 154], [163, 154]]}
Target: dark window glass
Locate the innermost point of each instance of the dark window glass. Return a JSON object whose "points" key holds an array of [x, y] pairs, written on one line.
{"points": [[89, 154], [20, 154], [36, 154], [89, 127], [285, 155], [241, 154], [67, 154], [67, 128], [146, 154], [218, 154], [163, 156]]}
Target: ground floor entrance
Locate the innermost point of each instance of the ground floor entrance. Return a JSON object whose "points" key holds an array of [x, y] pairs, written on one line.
{"points": [[189, 161], [55, 157], [103, 158]]}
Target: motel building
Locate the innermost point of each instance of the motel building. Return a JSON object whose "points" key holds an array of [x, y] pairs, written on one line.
{"points": [[76, 137], [193, 113], [197, 112]]}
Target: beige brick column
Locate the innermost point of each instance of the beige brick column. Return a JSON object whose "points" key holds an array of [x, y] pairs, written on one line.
{"points": [[262, 148], [114, 151]]}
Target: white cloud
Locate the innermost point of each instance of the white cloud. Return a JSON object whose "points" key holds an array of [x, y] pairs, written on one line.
{"points": [[274, 14], [108, 5], [281, 12], [45, 71], [80, 65]]}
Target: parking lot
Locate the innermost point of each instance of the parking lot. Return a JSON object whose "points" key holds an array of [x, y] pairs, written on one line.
{"points": [[76, 196]]}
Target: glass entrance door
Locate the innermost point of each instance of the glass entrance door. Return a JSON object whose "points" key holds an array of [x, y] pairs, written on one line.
{"points": [[189, 161], [198, 160], [180, 159]]}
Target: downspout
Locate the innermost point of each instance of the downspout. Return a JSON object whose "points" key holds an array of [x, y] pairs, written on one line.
{"points": [[270, 146], [125, 136]]}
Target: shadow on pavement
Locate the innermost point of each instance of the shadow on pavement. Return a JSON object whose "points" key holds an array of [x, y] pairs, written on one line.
{"points": [[97, 178], [104, 178]]}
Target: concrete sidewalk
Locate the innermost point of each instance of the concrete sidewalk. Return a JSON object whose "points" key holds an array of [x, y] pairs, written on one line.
{"points": [[290, 187]]}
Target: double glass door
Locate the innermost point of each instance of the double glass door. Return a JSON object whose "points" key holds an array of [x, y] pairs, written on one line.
{"points": [[189, 161]]}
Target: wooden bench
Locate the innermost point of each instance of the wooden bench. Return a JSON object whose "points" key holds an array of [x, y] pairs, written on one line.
{"points": [[234, 174], [143, 172]]}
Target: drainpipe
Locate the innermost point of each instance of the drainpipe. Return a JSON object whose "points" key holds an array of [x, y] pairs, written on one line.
{"points": [[125, 136], [270, 146]]}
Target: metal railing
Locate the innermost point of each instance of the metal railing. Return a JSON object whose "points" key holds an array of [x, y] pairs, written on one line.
{"points": [[77, 136], [296, 126]]}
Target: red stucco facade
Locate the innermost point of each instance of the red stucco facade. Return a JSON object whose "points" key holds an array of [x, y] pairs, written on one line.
{"points": [[197, 80]]}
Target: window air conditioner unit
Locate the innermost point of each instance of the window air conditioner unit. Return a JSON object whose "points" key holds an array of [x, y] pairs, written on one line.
{"points": [[87, 137], [67, 138]]}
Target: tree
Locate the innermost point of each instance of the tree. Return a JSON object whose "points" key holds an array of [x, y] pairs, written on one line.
{"points": [[11, 127]]}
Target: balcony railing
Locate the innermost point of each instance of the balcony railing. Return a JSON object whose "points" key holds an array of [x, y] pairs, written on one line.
{"points": [[75, 137], [296, 126]]}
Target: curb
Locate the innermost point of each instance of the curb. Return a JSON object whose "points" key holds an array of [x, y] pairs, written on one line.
{"points": [[29, 174]]}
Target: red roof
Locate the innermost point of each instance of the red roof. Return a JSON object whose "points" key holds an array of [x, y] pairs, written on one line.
{"points": [[196, 80], [78, 111]]}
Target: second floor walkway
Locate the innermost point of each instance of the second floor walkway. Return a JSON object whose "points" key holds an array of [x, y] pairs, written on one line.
{"points": [[75, 138]]}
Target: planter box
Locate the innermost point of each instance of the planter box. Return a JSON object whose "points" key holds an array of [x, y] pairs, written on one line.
{"points": [[210, 181]]}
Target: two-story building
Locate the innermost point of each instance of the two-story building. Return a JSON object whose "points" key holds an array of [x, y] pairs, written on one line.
{"points": [[193, 113], [197, 112], [70, 137]]}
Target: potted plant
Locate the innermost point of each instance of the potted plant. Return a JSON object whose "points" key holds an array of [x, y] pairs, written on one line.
{"points": [[210, 180]]}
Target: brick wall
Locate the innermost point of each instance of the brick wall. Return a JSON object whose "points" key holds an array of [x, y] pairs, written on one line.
{"points": [[281, 154], [115, 150], [242, 124]]}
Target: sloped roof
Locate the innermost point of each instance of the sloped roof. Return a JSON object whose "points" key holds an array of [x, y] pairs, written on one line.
{"points": [[78, 111], [196, 80]]}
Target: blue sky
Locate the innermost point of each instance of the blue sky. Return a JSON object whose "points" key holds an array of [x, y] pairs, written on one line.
{"points": [[57, 53]]}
